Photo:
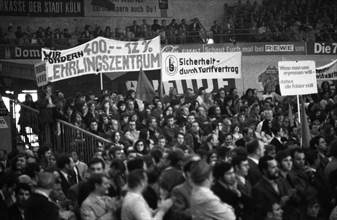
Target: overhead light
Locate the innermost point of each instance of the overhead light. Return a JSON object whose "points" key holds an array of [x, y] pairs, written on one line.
{"points": [[9, 92]]}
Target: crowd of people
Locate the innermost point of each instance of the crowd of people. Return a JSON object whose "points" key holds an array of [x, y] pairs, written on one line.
{"points": [[287, 20], [204, 156]]}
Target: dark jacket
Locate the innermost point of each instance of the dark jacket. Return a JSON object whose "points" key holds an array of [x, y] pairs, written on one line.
{"points": [[264, 194], [254, 174], [38, 207]]}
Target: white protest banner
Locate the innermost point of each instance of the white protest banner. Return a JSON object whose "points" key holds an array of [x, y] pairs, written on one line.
{"points": [[297, 77], [327, 72], [102, 55], [41, 73], [179, 66]]}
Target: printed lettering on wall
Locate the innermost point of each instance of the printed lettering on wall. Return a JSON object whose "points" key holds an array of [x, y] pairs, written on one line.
{"points": [[41, 8]]}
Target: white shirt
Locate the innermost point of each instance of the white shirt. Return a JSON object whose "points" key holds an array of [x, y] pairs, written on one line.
{"points": [[254, 160], [136, 208]]}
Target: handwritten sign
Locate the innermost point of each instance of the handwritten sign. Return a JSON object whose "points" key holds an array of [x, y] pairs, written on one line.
{"points": [[327, 72], [178, 66], [297, 77], [122, 8], [102, 55], [41, 73]]}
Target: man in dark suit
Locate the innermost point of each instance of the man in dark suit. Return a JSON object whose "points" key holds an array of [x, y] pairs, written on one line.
{"points": [[66, 172], [255, 150], [226, 188], [172, 175], [181, 194], [241, 168], [271, 189], [38, 206], [22, 193], [319, 144], [278, 140], [7, 186]]}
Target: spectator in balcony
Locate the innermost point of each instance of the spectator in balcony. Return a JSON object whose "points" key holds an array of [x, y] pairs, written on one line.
{"points": [[10, 36], [135, 29], [129, 35], [19, 33], [119, 35], [216, 31], [155, 26], [171, 34], [174, 24], [194, 29], [145, 29], [163, 25], [107, 33], [228, 30], [86, 35], [66, 34], [48, 33]]}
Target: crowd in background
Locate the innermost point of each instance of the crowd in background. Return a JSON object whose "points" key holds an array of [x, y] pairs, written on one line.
{"points": [[192, 156], [247, 21]]}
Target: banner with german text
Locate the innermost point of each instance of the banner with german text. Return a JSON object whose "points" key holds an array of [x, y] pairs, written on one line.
{"points": [[179, 66], [327, 72], [42, 8], [102, 55]]}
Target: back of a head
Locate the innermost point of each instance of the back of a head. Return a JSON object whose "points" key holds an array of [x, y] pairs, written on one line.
{"points": [[175, 157], [252, 146], [45, 180], [200, 171], [135, 178], [62, 160], [94, 179], [135, 164]]}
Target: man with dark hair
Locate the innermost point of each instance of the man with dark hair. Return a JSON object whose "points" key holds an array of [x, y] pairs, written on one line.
{"points": [[319, 143], [170, 129], [21, 163], [22, 193], [226, 188], [301, 181], [241, 168], [7, 186], [255, 150], [247, 135], [278, 139], [80, 167], [181, 194], [272, 189], [135, 164], [134, 205], [65, 165], [39, 206], [79, 192], [312, 161], [132, 134], [172, 174]]}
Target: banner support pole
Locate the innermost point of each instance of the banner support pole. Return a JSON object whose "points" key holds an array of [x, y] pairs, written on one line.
{"points": [[298, 108], [101, 80]]}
